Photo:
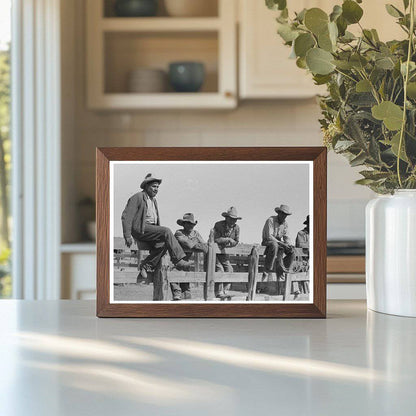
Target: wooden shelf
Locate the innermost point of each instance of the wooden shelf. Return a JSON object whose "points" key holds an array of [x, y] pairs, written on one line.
{"points": [[163, 101], [346, 264], [159, 24], [116, 46]]}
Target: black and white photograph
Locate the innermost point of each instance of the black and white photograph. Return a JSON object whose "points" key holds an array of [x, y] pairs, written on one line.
{"points": [[207, 231]]}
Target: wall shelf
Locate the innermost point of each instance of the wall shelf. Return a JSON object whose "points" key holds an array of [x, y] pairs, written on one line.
{"points": [[159, 24], [116, 46]]}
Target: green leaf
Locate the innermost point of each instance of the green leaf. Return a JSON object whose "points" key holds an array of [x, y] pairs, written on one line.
{"points": [[374, 175], [343, 145], [286, 32], [341, 64], [300, 17], [358, 160], [412, 67], [325, 43], [358, 61], [393, 11], [364, 181], [351, 11], [347, 37], [394, 144], [385, 63], [303, 43], [390, 113], [375, 35], [276, 4], [336, 12], [342, 25], [363, 86], [316, 20], [374, 150], [301, 63], [319, 61], [321, 79], [411, 90]]}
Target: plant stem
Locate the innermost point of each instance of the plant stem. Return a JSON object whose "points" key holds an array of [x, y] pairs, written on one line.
{"points": [[406, 79]]}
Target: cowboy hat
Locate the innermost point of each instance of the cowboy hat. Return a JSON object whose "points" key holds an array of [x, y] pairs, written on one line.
{"points": [[148, 179], [306, 222], [188, 217], [283, 208], [232, 213]]}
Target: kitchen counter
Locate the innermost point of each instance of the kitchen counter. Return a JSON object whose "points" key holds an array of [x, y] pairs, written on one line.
{"points": [[57, 358]]}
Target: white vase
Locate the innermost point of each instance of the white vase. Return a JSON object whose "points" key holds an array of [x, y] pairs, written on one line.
{"points": [[391, 253]]}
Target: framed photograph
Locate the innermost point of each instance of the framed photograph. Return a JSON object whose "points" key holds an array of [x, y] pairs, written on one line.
{"points": [[211, 232]]}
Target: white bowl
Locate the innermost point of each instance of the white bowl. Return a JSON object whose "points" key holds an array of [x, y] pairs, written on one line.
{"points": [[191, 8]]}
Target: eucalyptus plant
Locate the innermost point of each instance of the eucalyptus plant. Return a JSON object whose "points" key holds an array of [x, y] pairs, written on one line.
{"points": [[369, 112]]}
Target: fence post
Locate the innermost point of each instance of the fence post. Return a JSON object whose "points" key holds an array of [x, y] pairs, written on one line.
{"points": [[160, 280], [253, 264], [209, 282]]}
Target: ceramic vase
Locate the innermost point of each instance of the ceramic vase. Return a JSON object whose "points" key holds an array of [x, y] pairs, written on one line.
{"points": [[391, 253]]}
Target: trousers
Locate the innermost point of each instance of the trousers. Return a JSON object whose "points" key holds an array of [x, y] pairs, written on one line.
{"points": [[275, 252], [161, 239], [222, 264]]}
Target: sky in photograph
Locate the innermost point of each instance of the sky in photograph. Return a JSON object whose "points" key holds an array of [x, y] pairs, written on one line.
{"points": [[5, 20], [207, 190]]}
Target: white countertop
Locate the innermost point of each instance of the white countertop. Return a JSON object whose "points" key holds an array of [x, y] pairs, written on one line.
{"points": [[57, 358]]}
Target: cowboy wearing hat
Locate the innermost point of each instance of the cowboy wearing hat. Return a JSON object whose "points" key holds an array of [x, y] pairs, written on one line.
{"points": [[191, 242], [302, 239], [140, 220], [226, 234], [277, 242]]}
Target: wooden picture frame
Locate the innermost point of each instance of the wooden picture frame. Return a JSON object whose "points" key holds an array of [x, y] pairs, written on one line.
{"points": [[315, 157]]}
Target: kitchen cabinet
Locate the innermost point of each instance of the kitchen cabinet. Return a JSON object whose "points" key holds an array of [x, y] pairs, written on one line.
{"points": [[265, 70], [118, 45]]}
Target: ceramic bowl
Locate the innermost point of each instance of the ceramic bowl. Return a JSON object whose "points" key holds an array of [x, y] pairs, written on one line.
{"points": [[135, 8], [186, 76]]}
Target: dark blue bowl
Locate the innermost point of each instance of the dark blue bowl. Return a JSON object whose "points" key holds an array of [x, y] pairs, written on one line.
{"points": [[135, 8], [186, 76]]}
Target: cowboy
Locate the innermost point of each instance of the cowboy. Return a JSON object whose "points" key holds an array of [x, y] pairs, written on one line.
{"points": [[277, 242], [302, 239], [140, 220], [226, 234], [191, 242]]}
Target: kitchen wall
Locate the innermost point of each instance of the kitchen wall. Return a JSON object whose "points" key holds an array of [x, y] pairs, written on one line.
{"points": [[253, 123]]}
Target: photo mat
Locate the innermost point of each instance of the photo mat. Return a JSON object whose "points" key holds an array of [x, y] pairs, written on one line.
{"points": [[207, 190]]}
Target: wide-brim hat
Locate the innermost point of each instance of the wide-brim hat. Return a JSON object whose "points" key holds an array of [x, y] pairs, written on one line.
{"points": [[188, 217], [283, 208], [232, 213], [306, 222], [148, 179]]}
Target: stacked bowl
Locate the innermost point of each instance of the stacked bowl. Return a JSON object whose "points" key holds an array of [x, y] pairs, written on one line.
{"points": [[147, 80]]}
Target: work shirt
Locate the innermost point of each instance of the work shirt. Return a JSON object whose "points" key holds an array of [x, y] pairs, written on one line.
{"points": [[276, 229], [302, 239], [191, 240], [151, 212], [222, 231]]}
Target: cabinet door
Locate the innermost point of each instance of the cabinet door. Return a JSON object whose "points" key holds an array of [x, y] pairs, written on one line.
{"points": [[265, 68]]}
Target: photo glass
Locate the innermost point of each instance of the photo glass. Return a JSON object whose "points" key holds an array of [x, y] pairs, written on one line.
{"points": [[211, 232]]}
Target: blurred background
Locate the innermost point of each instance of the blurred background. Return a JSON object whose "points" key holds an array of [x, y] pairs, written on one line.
{"points": [[100, 73]]}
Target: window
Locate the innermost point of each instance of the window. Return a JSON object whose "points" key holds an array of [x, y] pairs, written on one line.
{"points": [[5, 148]]}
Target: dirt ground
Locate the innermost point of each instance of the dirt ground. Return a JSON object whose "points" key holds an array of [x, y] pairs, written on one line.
{"points": [[144, 292]]}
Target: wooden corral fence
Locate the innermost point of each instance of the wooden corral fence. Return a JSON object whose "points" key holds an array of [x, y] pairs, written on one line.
{"points": [[247, 262]]}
